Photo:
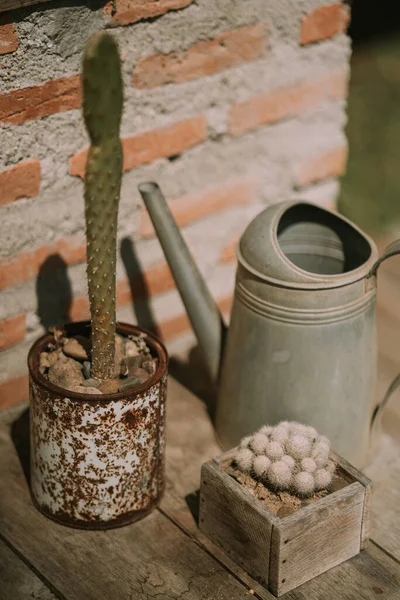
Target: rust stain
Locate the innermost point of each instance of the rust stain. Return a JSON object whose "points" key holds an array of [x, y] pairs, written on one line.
{"points": [[86, 471]]}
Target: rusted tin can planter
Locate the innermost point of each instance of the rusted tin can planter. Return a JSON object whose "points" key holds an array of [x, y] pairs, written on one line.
{"points": [[283, 552], [97, 461]]}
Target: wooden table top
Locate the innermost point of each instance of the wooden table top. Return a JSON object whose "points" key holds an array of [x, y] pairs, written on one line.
{"points": [[164, 556]]}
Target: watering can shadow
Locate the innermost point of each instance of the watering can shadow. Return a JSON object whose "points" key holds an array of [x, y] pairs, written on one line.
{"points": [[301, 344]]}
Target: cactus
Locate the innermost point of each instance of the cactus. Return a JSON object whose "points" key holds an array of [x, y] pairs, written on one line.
{"points": [[102, 109], [290, 457]]}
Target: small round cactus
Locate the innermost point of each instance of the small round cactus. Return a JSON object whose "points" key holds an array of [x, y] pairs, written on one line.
{"points": [[289, 456]]}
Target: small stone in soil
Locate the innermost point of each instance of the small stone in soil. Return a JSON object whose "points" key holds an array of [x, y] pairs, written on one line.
{"points": [[123, 371], [129, 383], [53, 357], [84, 390], [149, 365], [75, 348], [86, 369], [133, 362], [141, 374], [91, 383], [131, 348], [110, 386], [119, 353], [44, 362], [65, 373]]}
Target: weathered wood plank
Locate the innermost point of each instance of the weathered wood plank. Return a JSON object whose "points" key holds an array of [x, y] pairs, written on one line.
{"points": [[367, 484], [235, 521], [370, 575], [151, 558], [191, 442], [299, 548], [384, 471], [17, 581], [13, 4]]}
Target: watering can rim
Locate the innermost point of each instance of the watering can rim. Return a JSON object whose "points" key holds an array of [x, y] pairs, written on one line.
{"points": [[309, 280]]}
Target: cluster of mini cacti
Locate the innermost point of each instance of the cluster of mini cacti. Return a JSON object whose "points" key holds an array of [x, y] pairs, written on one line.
{"points": [[289, 456], [102, 109]]}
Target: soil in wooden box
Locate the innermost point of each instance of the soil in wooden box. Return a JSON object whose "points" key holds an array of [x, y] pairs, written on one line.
{"points": [[282, 503]]}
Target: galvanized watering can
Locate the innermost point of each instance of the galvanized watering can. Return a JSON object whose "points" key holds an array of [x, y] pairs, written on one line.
{"points": [[301, 343]]}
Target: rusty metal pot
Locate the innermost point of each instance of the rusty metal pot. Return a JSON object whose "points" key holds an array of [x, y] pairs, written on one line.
{"points": [[97, 461]]}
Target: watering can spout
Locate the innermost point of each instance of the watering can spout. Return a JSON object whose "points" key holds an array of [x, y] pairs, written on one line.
{"points": [[202, 309]]}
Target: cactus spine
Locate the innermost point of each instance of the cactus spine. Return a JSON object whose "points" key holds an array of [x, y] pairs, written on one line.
{"points": [[102, 109]]}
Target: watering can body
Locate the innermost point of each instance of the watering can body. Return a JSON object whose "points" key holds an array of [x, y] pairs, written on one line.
{"points": [[301, 344]]}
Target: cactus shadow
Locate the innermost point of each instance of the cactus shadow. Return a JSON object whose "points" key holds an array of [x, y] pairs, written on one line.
{"points": [[193, 502], [138, 287], [192, 373], [54, 292]]}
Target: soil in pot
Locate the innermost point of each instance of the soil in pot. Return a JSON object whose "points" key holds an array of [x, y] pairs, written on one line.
{"points": [[281, 503], [66, 362]]}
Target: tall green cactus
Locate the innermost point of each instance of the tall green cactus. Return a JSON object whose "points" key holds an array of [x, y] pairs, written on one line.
{"points": [[102, 109]]}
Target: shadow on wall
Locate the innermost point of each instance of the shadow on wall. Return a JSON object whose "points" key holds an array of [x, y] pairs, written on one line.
{"points": [[371, 188], [19, 14], [54, 292], [191, 373], [54, 299], [138, 286]]}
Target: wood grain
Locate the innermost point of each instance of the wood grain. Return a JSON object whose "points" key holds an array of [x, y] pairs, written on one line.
{"points": [[367, 484], [191, 442], [235, 521], [281, 553], [316, 538], [118, 564], [384, 471], [371, 575], [17, 581], [143, 560], [13, 4]]}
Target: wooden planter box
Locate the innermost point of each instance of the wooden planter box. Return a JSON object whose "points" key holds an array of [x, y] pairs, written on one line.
{"points": [[282, 553]]}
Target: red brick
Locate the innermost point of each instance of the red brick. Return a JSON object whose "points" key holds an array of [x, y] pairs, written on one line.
{"points": [[26, 265], [8, 37], [171, 328], [79, 309], [12, 331], [190, 208], [285, 102], [324, 22], [56, 95], [13, 391], [145, 147], [155, 280], [131, 11], [20, 181], [203, 58], [316, 168]]}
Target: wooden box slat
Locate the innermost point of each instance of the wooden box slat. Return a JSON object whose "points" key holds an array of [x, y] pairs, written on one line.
{"points": [[242, 526]]}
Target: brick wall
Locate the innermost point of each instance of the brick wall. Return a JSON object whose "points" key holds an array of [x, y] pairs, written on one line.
{"points": [[230, 105]]}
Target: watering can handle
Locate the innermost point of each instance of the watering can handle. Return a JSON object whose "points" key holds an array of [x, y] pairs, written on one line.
{"points": [[391, 250]]}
